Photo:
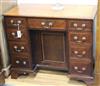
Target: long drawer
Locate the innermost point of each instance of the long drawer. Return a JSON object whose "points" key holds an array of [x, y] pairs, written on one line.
{"points": [[46, 24]]}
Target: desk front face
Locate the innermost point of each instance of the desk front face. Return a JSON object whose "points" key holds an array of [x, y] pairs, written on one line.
{"points": [[62, 44]]}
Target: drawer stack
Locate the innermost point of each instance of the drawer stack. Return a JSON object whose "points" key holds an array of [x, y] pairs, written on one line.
{"points": [[80, 38], [18, 43]]}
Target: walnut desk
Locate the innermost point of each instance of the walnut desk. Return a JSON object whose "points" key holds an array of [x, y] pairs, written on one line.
{"points": [[39, 36]]}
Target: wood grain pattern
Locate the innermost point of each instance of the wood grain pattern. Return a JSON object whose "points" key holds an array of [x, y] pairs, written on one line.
{"points": [[97, 80], [69, 11], [44, 78]]}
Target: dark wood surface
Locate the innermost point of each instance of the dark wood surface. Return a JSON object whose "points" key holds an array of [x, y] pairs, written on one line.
{"points": [[54, 43]]}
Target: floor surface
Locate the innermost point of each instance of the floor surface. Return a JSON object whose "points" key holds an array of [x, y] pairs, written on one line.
{"points": [[44, 78]]}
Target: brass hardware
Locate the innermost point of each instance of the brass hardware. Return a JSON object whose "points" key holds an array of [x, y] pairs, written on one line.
{"points": [[76, 52], [17, 62], [75, 67], [24, 62], [19, 49], [75, 25], [83, 25], [83, 68], [79, 28], [83, 38], [75, 37]]}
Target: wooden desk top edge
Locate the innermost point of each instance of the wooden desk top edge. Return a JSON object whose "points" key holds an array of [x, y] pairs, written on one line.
{"points": [[69, 11]]}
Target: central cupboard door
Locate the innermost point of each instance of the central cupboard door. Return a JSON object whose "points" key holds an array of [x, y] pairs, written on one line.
{"points": [[53, 49]]}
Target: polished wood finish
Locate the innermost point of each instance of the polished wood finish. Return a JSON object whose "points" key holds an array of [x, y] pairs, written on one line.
{"points": [[12, 35], [80, 25], [81, 67], [46, 23], [53, 47], [51, 43], [80, 52], [80, 39], [46, 10]]}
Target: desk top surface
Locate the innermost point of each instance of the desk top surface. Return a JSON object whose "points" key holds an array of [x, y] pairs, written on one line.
{"points": [[69, 11]]}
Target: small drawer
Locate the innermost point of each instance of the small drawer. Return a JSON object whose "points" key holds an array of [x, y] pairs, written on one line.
{"points": [[83, 67], [80, 25], [47, 24], [80, 37], [80, 52], [18, 48], [20, 62], [13, 22], [12, 34]]}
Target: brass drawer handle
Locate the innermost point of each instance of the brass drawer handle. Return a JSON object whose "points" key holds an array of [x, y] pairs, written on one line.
{"points": [[17, 49], [83, 68], [83, 25], [75, 25], [75, 37], [13, 34], [18, 22], [75, 52], [76, 68], [80, 55], [84, 38], [50, 24], [24, 73], [79, 41], [79, 71], [17, 61], [47, 24], [79, 28], [11, 21], [43, 23], [24, 62], [84, 52]]}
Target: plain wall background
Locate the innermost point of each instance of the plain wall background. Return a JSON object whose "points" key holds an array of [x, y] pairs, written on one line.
{"points": [[80, 2]]}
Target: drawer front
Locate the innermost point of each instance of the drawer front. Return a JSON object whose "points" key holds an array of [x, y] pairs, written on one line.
{"points": [[83, 67], [80, 25], [13, 22], [80, 37], [80, 52], [46, 24], [20, 62], [18, 48], [13, 35]]}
